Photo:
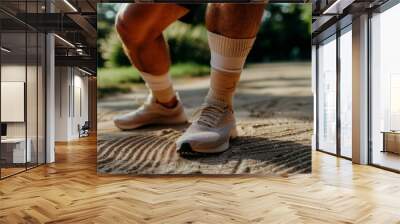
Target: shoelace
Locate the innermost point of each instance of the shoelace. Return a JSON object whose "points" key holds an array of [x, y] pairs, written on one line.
{"points": [[210, 115]]}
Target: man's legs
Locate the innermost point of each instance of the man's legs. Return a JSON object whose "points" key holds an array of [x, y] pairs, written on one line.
{"points": [[140, 28], [232, 30]]}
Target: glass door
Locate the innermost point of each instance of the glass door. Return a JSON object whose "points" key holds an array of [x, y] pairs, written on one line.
{"points": [[346, 92], [14, 144], [385, 89], [327, 95], [22, 78]]}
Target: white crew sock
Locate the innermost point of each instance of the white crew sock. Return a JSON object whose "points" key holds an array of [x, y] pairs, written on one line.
{"points": [[228, 57], [160, 86]]}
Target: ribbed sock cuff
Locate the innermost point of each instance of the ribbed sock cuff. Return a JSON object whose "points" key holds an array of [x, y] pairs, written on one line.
{"points": [[157, 82], [227, 54], [230, 47]]}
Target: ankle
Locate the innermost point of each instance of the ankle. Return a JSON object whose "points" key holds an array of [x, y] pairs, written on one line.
{"points": [[170, 104], [165, 97], [226, 98]]}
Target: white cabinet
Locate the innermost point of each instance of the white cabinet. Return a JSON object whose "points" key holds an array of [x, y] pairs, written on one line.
{"points": [[16, 150]]}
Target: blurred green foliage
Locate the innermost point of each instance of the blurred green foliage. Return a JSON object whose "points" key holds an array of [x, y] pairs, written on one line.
{"points": [[285, 35], [127, 74], [188, 43], [119, 79]]}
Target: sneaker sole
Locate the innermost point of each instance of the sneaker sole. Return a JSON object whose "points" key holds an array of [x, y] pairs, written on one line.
{"points": [[220, 148]]}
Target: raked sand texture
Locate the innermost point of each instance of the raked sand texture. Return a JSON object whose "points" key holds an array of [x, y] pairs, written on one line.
{"points": [[274, 109]]}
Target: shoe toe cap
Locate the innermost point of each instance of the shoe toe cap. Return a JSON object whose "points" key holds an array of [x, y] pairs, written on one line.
{"points": [[119, 120], [198, 139], [124, 121]]}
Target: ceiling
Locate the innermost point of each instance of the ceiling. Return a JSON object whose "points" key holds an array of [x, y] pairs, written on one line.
{"points": [[332, 15], [74, 22]]}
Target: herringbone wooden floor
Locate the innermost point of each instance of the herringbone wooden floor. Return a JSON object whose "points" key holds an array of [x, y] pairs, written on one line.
{"points": [[69, 191]]}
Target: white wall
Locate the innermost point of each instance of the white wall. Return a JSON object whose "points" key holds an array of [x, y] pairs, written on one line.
{"points": [[14, 73], [70, 83], [33, 125], [80, 95], [62, 81]]}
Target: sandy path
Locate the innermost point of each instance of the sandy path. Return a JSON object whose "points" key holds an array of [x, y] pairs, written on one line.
{"points": [[273, 106]]}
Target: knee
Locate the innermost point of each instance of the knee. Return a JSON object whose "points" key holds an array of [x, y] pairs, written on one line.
{"points": [[234, 20], [132, 28], [129, 28]]}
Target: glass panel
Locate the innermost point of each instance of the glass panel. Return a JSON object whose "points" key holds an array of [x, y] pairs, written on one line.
{"points": [[385, 89], [32, 86], [23, 87], [14, 153], [346, 94], [41, 99], [327, 96], [32, 96]]}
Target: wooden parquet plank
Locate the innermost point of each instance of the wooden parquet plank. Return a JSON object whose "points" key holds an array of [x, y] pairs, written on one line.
{"points": [[70, 191]]}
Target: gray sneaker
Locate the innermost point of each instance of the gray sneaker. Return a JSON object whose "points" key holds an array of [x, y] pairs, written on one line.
{"points": [[149, 113], [210, 132]]}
